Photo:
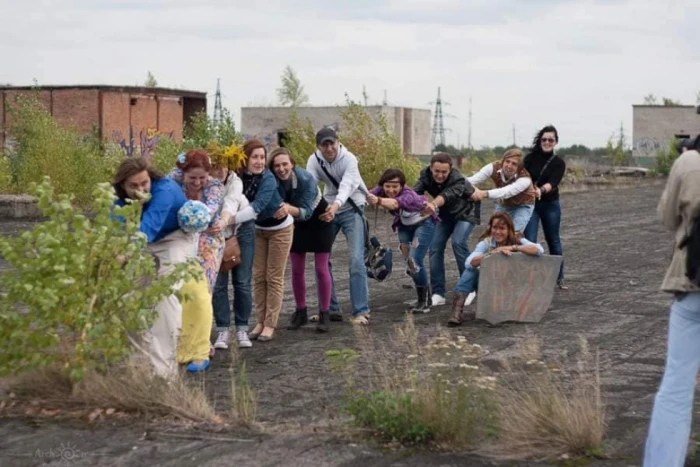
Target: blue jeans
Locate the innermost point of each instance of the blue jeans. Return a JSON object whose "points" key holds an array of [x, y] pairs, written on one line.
{"points": [[673, 407], [520, 214], [353, 227], [550, 214], [459, 230], [422, 234], [468, 281], [241, 277]]}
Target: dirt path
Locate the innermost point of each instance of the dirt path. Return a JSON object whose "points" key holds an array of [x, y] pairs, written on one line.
{"points": [[616, 254]]}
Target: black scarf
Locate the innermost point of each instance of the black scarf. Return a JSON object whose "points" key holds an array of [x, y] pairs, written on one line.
{"points": [[251, 183]]}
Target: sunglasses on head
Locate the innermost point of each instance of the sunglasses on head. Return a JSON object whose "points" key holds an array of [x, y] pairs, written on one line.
{"points": [[548, 140]]}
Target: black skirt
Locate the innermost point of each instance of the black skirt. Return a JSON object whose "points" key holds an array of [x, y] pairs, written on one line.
{"points": [[313, 235]]}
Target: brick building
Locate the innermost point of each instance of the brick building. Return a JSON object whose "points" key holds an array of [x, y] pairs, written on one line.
{"points": [[124, 114], [411, 126], [655, 125]]}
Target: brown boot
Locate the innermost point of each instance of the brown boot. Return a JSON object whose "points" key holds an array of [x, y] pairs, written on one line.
{"points": [[457, 309]]}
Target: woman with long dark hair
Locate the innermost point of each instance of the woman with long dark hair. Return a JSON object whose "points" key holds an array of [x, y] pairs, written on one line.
{"points": [[500, 238], [547, 170]]}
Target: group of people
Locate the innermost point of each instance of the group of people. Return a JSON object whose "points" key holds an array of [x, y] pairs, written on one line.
{"points": [[275, 210]]}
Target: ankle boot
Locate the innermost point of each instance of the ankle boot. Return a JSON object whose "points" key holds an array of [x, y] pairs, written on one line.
{"points": [[457, 310], [299, 318], [324, 320], [423, 302]]}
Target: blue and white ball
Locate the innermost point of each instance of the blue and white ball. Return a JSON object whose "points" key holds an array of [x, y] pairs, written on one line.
{"points": [[193, 217]]}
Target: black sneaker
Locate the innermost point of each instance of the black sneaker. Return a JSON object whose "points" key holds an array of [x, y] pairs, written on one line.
{"points": [[299, 318], [335, 317], [323, 322]]}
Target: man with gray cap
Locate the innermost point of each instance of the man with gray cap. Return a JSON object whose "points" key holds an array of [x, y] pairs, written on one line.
{"points": [[345, 193]]}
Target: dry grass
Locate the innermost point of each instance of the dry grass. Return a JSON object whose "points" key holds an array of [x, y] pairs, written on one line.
{"points": [[132, 389], [418, 391], [243, 400], [545, 414]]}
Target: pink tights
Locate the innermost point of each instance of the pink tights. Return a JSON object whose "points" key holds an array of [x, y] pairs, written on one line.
{"points": [[323, 279]]}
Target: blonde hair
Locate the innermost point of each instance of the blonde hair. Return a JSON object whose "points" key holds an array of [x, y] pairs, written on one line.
{"points": [[510, 154]]}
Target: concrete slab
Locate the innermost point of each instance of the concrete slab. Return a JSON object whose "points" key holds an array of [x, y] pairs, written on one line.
{"points": [[516, 288]]}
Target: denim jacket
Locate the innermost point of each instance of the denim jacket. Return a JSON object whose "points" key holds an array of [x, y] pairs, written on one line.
{"points": [[304, 191], [268, 197]]}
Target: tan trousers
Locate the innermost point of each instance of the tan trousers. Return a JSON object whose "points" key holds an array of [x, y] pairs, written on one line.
{"points": [[271, 253], [159, 343]]}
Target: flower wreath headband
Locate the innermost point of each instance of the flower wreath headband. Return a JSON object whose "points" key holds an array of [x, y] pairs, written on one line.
{"points": [[232, 157]]}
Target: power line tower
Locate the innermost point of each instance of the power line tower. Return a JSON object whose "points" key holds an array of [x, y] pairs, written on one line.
{"points": [[438, 124], [469, 135], [218, 108]]}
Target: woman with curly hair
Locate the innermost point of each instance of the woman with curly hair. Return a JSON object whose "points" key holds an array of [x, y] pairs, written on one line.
{"points": [[192, 173]]}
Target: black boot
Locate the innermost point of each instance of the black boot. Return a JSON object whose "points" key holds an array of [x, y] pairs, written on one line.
{"points": [[324, 320], [299, 318], [424, 300]]}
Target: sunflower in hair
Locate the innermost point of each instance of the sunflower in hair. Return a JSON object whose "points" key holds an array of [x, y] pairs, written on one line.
{"points": [[232, 157]]}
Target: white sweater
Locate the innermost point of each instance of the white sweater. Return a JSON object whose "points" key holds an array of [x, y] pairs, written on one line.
{"points": [[508, 191], [234, 201], [345, 170]]}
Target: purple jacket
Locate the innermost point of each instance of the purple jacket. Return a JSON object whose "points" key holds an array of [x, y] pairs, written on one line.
{"points": [[409, 201]]}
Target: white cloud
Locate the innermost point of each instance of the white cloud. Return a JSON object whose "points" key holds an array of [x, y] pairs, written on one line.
{"points": [[579, 64]]}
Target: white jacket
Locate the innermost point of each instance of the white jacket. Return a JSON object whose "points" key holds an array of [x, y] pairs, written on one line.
{"points": [[345, 170], [234, 201]]}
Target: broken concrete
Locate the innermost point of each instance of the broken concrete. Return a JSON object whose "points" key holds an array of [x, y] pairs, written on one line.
{"points": [[516, 288]]}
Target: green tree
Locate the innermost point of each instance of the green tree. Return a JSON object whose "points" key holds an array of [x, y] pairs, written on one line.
{"points": [[68, 299], [151, 81], [292, 92], [202, 130], [668, 102]]}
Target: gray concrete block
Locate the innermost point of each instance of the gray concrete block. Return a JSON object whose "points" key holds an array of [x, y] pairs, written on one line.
{"points": [[19, 207], [516, 288]]}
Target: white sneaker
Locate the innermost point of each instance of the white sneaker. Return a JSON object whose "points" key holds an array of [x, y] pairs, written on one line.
{"points": [[243, 340], [438, 300], [470, 299], [222, 338]]}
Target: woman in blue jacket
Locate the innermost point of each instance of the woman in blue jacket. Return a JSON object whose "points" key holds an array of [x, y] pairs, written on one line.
{"points": [[260, 188]]}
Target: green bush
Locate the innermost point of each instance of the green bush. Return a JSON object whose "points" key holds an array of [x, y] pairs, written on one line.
{"points": [[202, 130], [74, 162], [165, 155], [666, 157], [68, 299], [391, 416]]}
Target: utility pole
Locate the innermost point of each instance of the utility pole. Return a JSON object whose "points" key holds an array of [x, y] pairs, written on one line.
{"points": [[438, 124], [514, 135], [622, 136], [469, 136], [364, 94], [385, 102], [218, 108]]}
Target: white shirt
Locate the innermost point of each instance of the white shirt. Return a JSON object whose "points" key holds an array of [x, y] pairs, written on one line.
{"points": [[508, 191]]}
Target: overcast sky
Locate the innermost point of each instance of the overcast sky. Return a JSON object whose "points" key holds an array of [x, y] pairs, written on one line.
{"points": [[579, 64]]}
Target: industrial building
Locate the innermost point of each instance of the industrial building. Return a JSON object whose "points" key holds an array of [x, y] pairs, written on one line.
{"points": [[411, 126], [122, 114], [655, 125]]}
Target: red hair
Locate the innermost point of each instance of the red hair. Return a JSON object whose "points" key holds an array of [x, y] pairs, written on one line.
{"points": [[195, 158]]}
